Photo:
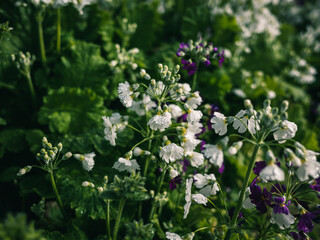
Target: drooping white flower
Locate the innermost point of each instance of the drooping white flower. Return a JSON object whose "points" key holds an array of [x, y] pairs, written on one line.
{"points": [[195, 100], [125, 94], [110, 131], [124, 164], [160, 122], [242, 122], [199, 198], [194, 116], [173, 236], [189, 143], [171, 152], [173, 173], [86, 160], [214, 154], [282, 220], [286, 130], [219, 123], [272, 173], [175, 110], [292, 157], [309, 164], [200, 180], [196, 159]]}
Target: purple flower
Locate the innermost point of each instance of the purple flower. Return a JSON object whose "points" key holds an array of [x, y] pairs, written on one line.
{"points": [[207, 63], [203, 142], [316, 185], [280, 206], [260, 199], [190, 66], [174, 181], [221, 58], [183, 118], [258, 167], [298, 236], [305, 222]]}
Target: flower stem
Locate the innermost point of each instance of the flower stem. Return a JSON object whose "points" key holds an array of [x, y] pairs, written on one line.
{"points": [[116, 226], [194, 80], [153, 209], [54, 186], [242, 194], [58, 30], [31, 88], [108, 220], [41, 41]]}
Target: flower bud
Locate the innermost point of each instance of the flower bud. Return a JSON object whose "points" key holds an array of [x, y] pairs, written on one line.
{"points": [[67, 156], [248, 104], [24, 170], [59, 146], [266, 103], [284, 106]]}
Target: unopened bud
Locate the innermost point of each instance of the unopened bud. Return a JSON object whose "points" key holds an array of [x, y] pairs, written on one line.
{"points": [[284, 106], [266, 103], [67, 156], [248, 104], [59, 146]]}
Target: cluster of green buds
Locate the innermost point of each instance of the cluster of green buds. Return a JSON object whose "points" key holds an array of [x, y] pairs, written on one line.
{"points": [[161, 199], [169, 75], [4, 29], [128, 28], [125, 59], [23, 62]]}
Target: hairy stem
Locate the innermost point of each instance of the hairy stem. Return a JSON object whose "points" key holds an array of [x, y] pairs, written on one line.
{"points": [[116, 226], [41, 41], [108, 220], [31, 88], [242, 194], [54, 186]]}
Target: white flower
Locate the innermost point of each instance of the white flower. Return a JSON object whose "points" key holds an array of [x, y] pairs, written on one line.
{"points": [[292, 157], [171, 152], [196, 159], [272, 173], [309, 165], [199, 198], [282, 220], [194, 128], [124, 164], [219, 123], [175, 110], [87, 184], [160, 122], [125, 94], [140, 107], [173, 236], [242, 122], [195, 100], [110, 131], [286, 130], [86, 159], [173, 173], [210, 190], [189, 143], [194, 116], [247, 204], [200, 180], [157, 89], [187, 197], [214, 154]]}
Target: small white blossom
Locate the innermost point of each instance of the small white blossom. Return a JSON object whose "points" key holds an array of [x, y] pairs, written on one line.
{"points": [[175, 110], [196, 159], [173, 236], [247, 204], [189, 143], [219, 123], [282, 220], [124, 164], [272, 173], [86, 159], [110, 131], [199, 198], [187, 197], [171, 152], [194, 116], [173, 173], [87, 184], [286, 130], [200, 180], [236, 146], [140, 107], [24, 170], [195, 100], [125, 94], [309, 164], [242, 122], [160, 122], [214, 154]]}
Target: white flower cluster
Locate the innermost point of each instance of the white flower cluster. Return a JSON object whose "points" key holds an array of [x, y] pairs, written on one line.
{"points": [[112, 124], [124, 59]]}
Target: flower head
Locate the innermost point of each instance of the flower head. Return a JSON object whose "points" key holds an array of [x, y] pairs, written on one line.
{"points": [[287, 130], [219, 123], [160, 122], [124, 164], [86, 159], [171, 152]]}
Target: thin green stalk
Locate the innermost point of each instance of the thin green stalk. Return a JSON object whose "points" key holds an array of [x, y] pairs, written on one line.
{"points": [[58, 30], [153, 209], [41, 40], [242, 194], [54, 186], [108, 220], [31, 88], [116, 226]]}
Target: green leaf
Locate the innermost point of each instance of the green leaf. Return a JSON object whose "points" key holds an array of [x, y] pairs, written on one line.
{"points": [[71, 110], [13, 140], [9, 174], [2, 121], [82, 66]]}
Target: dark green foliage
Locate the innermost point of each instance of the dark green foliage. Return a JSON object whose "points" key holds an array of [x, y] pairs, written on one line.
{"points": [[139, 231], [17, 228], [71, 110]]}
